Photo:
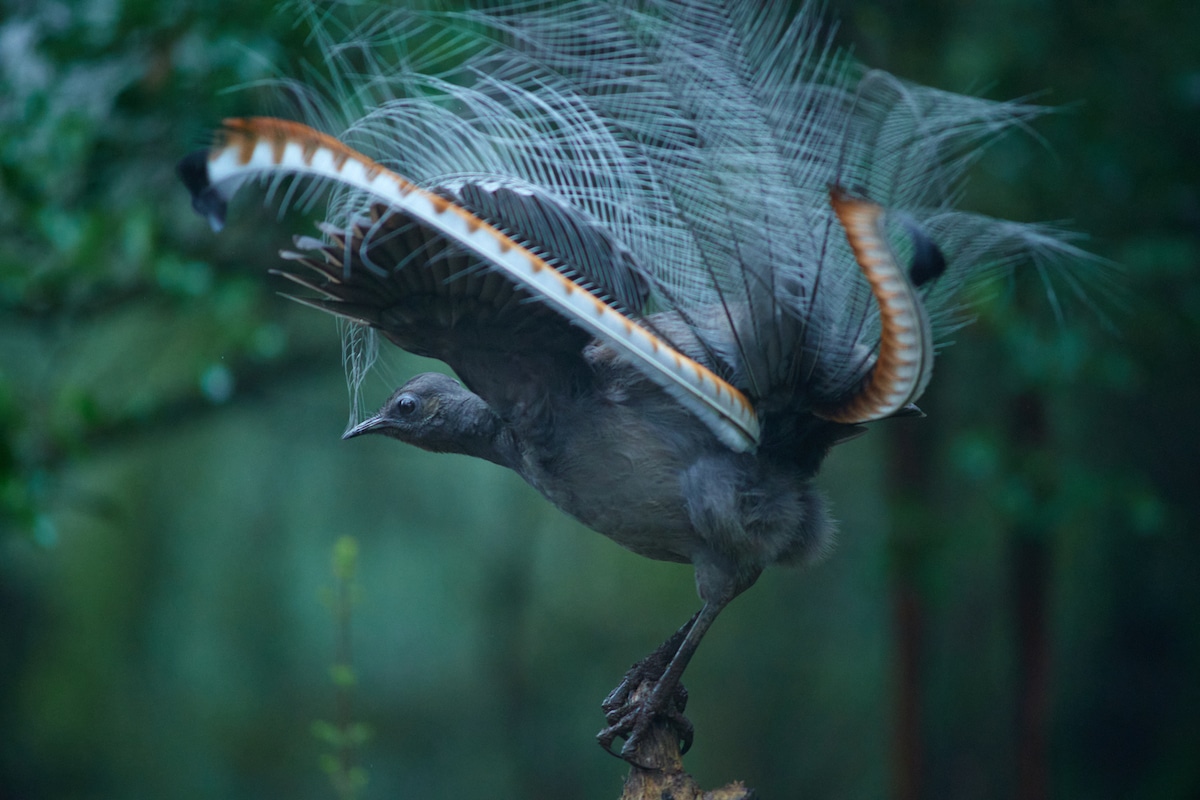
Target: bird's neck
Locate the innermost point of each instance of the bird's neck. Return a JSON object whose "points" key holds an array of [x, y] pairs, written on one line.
{"points": [[472, 429], [492, 440]]}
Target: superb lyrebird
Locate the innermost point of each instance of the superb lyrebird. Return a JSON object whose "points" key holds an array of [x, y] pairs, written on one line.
{"points": [[675, 250]]}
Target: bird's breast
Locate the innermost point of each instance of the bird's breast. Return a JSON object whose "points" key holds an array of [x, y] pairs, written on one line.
{"points": [[618, 467]]}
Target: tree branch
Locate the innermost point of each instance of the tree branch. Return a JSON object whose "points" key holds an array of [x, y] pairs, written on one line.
{"points": [[658, 772]]}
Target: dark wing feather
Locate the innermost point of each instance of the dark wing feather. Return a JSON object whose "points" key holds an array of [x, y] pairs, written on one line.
{"points": [[573, 241], [430, 297]]}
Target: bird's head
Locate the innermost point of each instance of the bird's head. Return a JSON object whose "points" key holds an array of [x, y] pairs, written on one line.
{"points": [[436, 413]]}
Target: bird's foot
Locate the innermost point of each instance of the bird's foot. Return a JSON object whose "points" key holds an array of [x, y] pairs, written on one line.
{"points": [[640, 700]]}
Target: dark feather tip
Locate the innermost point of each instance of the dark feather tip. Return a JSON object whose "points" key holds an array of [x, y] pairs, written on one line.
{"points": [[910, 411], [206, 200], [928, 263]]}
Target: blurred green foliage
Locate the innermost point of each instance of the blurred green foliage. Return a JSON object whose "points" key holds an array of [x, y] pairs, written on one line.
{"points": [[171, 480], [345, 736]]}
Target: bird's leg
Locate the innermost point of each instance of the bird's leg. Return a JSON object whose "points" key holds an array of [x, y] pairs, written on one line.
{"points": [[650, 668], [664, 667]]}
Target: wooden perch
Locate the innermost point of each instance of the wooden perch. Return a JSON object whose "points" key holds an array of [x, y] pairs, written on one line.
{"points": [[658, 773]]}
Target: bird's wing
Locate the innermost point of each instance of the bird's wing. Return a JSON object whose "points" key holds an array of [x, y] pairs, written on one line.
{"points": [[262, 146], [392, 272]]}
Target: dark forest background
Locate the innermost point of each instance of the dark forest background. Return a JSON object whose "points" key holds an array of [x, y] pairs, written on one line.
{"points": [[1013, 609]]}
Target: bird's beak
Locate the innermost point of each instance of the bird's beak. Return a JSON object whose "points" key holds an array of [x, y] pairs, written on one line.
{"points": [[369, 425]]}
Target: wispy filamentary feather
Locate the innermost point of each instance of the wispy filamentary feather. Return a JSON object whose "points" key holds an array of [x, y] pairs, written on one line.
{"points": [[692, 144]]}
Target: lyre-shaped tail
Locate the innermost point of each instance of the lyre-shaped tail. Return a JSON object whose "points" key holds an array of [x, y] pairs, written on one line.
{"points": [[904, 362]]}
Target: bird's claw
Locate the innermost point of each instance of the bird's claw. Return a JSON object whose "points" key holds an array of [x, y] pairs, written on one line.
{"points": [[633, 707]]}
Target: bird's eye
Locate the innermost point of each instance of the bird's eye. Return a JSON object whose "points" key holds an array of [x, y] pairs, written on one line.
{"points": [[406, 404]]}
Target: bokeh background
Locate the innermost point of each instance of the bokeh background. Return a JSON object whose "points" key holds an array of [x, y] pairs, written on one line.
{"points": [[1013, 609]]}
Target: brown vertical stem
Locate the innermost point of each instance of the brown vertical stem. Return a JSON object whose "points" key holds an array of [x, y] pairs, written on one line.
{"points": [[1030, 564], [1030, 560], [908, 481], [907, 750]]}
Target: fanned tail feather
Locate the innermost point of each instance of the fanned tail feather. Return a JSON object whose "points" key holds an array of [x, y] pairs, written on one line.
{"points": [[628, 157]]}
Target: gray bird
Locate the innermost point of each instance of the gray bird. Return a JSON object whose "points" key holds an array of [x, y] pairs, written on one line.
{"points": [[622, 225]]}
